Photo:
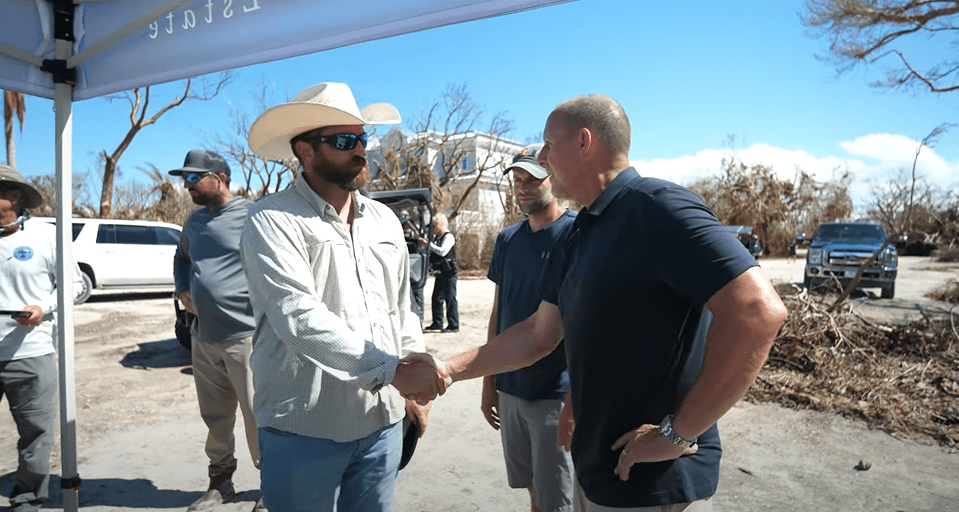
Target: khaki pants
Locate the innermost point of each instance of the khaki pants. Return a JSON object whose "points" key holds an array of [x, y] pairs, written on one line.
{"points": [[224, 380], [581, 504]]}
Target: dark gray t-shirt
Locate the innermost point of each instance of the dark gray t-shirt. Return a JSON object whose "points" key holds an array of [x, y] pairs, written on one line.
{"points": [[517, 268], [207, 263]]}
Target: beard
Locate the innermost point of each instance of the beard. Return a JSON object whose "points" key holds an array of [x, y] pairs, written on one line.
{"points": [[536, 206], [345, 176], [203, 199]]}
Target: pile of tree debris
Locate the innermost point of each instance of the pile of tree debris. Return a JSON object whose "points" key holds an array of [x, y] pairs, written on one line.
{"points": [[903, 379], [946, 293]]}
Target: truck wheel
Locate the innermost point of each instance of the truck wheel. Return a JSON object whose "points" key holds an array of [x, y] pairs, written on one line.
{"points": [[87, 289], [889, 292]]}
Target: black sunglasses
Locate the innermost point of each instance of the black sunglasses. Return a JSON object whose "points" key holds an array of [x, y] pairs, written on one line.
{"points": [[194, 177], [343, 141]]}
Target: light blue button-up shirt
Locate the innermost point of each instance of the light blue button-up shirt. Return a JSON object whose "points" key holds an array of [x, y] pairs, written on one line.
{"points": [[332, 312]]}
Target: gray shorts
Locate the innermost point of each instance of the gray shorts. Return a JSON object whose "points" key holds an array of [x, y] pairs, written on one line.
{"points": [[533, 459]]}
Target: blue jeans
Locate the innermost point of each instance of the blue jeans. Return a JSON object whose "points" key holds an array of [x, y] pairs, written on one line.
{"points": [[300, 473]]}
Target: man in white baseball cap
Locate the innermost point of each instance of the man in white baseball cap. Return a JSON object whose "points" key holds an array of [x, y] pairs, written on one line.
{"points": [[329, 281]]}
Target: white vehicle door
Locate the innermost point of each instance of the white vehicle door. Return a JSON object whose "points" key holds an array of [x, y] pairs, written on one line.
{"points": [[136, 254]]}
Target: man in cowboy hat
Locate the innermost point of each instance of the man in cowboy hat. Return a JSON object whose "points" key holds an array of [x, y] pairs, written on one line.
{"points": [[329, 281], [28, 367], [211, 284]]}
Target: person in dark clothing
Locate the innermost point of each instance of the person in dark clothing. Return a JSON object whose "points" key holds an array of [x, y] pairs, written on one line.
{"points": [[443, 261], [525, 405], [659, 344]]}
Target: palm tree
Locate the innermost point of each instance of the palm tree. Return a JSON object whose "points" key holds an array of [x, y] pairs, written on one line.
{"points": [[13, 104]]}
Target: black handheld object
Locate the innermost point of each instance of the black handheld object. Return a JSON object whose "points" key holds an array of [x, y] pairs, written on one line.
{"points": [[411, 434], [16, 314]]}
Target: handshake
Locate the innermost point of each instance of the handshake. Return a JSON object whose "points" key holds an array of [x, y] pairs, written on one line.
{"points": [[421, 377]]}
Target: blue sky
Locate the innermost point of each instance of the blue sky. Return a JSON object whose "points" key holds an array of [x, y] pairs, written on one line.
{"points": [[689, 75]]}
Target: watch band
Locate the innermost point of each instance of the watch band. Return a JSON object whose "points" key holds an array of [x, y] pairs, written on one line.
{"points": [[666, 429]]}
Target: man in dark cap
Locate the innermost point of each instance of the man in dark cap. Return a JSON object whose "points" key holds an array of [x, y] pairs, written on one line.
{"points": [[28, 366], [211, 284]]}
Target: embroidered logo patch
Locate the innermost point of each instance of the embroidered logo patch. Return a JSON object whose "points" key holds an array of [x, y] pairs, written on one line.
{"points": [[23, 253]]}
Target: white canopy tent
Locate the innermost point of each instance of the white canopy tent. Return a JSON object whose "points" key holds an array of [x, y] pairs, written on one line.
{"points": [[69, 50]]}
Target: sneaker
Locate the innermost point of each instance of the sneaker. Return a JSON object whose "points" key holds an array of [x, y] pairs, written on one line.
{"points": [[433, 327], [450, 330], [213, 498]]}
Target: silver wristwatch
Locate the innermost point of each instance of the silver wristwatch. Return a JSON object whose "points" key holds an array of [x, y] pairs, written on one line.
{"points": [[666, 429]]}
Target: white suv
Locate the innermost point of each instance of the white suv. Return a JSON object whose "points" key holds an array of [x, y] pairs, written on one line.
{"points": [[122, 254]]}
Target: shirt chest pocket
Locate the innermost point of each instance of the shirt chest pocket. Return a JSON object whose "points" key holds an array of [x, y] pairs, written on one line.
{"points": [[379, 268]]}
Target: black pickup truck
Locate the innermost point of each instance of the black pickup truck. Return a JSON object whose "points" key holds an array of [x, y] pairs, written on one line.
{"points": [[838, 249]]}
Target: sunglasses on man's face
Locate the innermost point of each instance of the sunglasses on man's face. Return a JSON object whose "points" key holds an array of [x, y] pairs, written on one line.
{"points": [[343, 141], [194, 177]]}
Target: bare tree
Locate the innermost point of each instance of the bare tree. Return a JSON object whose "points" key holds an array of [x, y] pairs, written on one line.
{"points": [[815, 202], [867, 31], [164, 199], [404, 164], [453, 144], [945, 226], [14, 104], [890, 203], [777, 209], [511, 210], [46, 185], [258, 176], [139, 100]]}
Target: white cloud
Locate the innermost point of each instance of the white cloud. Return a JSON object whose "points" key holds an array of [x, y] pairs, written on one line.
{"points": [[891, 155], [871, 159], [882, 147]]}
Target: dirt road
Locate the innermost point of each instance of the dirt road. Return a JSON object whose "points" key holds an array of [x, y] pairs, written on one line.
{"points": [[140, 437]]}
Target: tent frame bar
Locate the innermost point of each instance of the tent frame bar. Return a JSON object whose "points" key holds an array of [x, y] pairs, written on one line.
{"points": [[124, 31], [21, 55]]}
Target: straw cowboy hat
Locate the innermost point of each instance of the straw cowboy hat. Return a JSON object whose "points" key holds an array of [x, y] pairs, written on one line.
{"points": [[31, 197], [326, 104]]}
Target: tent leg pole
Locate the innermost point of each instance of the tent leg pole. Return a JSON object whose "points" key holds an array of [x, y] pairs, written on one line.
{"points": [[63, 104]]}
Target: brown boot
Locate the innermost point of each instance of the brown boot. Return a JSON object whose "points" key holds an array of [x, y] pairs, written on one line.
{"points": [[219, 493]]}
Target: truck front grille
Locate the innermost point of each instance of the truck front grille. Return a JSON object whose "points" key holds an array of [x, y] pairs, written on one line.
{"points": [[847, 259]]}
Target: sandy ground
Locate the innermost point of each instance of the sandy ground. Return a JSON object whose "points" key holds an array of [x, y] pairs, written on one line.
{"points": [[140, 438]]}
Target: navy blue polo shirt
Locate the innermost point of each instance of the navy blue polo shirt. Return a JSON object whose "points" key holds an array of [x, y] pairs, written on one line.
{"points": [[519, 258], [643, 260]]}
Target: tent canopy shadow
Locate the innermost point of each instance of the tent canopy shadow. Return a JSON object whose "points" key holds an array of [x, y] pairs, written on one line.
{"points": [[157, 354], [123, 493]]}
